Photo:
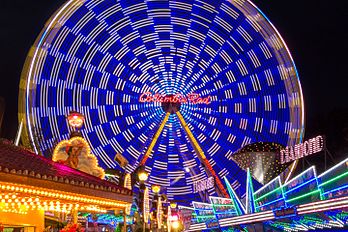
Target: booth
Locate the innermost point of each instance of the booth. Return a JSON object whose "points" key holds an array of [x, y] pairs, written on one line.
{"points": [[32, 186]]}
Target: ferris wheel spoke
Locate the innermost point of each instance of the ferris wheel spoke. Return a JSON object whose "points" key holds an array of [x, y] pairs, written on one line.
{"points": [[209, 169], [154, 139]]}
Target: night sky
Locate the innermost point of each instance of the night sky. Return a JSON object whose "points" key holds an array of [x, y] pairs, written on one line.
{"points": [[314, 30]]}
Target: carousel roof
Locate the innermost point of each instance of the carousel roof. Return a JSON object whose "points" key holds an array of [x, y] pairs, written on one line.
{"points": [[24, 163]]}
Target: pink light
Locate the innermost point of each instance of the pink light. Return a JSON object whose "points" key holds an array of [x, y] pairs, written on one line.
{"points": [[193, 98], [323, 202], [323, 209], [248, 218], [312, 146]]}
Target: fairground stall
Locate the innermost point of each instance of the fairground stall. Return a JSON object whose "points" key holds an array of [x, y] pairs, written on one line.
{"points": [[306, 202], [33, 188]]}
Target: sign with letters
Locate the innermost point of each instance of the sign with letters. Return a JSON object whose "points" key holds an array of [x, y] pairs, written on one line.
{"points": [[193, 98], [286, 212], [203, 185], [300, 150]]}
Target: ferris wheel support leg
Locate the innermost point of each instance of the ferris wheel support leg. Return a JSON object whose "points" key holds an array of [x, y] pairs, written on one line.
{"points": [[154, 140], [208, 168]]}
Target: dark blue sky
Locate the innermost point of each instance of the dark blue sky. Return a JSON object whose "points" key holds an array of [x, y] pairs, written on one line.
{"points": [[314, 30]]}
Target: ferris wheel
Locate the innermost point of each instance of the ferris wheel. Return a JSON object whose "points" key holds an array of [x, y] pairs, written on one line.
{"points": [[177, 86]]}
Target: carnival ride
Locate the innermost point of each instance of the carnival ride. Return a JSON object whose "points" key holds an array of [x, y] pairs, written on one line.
{"points": [[224, 57], [306, 202]]}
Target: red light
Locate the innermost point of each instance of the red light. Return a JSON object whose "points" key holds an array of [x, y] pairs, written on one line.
{"points": [[174, 218], [76, 119]]}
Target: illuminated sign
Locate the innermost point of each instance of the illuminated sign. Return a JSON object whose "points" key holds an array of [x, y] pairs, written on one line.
{"points": [[211, 224], [202, 185], [205, 213], [298, 151], [223, 207], [121, 160], [193, 98], [287, 212]]}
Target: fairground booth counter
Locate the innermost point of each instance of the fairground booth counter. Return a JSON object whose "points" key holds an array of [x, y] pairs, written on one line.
{"points": [[34, 188]]}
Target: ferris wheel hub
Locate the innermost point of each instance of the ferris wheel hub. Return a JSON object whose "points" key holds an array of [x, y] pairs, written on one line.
{"points": [[171, 107]]}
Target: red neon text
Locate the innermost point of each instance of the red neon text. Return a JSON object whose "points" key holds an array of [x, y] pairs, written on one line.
{"points": [[193, 98]]}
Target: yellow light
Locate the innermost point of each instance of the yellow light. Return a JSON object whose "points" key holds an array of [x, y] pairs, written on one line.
{"points": [[156, 188], [173, 205], [143, 176], [175, 225]]}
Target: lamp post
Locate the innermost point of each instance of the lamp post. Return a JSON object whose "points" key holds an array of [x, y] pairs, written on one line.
{"points": [[174, 222], [142, 177], [75, 120]]}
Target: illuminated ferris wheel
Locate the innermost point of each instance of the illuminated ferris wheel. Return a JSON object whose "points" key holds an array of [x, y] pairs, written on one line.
{"points": [[177, 86]]}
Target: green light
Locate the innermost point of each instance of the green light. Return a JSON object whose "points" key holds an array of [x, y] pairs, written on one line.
{"points": [[302, 196], [111, 175], [267, 194], [333, 179], [251, 194], [205, 216], [234, 197], [224, 205]]}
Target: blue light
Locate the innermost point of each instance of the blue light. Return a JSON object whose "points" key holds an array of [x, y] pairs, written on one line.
{"points": [[102, 55], [336, 189], [299, 186]]}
